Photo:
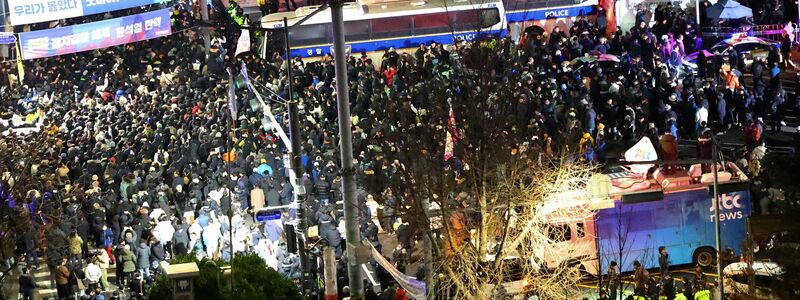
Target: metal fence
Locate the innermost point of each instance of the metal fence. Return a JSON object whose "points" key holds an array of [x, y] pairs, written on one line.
{"points": [[768, 31]]}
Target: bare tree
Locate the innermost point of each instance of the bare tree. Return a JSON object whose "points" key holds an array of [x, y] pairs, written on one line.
{"points": [[517, 223], [29, 200]]}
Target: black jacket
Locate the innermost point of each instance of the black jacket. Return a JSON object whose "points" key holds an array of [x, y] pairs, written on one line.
{"points": [[26, 283], [30, 239], [663, 262], [181, 236]]}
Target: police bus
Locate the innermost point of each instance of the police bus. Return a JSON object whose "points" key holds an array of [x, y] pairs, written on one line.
{"points": [[377, 26]]}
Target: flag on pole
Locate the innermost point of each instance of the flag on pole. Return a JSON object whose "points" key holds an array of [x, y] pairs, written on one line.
{"points": [[270, 122], [451, 125], [452, 135], [232, 95], [243, 45], [20, 67], [448, 147], [611, 16], [246, 78], [416, 288]]}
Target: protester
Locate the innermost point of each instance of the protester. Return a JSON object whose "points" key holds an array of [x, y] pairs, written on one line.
{"points": [[62, 280], [27, 284], [92, 274]]}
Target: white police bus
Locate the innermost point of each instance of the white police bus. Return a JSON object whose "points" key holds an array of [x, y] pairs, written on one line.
{"points": [[377, 26]]}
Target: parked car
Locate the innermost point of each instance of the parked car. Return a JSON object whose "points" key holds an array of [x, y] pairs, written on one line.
{"points": [[751, 47], [767, 278]]}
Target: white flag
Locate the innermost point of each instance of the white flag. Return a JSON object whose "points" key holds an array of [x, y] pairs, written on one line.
{"points": [[244, 43]]}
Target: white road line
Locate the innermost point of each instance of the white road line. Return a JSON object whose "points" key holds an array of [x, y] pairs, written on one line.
{"points": [[369, 274]]}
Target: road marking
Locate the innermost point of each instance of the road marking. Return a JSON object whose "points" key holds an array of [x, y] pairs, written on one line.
{"points": [[369, 274]]}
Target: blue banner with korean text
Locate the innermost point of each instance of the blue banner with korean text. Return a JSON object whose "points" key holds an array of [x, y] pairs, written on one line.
{"points": [[36, 11], [96, 35]]}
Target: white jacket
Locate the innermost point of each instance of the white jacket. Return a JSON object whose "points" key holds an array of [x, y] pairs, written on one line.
{"points": [[164, 232], [701, 115], [92, 273]]}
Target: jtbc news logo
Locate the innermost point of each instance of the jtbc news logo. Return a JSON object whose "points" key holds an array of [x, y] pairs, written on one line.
{"points": [[730, 208]]}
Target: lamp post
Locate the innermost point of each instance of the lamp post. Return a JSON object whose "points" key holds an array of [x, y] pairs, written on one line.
{"points": [[346, 150], [294, 157], [206, 34], [296, 168], [697, 14]]}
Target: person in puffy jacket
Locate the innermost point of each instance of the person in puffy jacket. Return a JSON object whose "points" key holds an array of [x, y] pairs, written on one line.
{"points": [[128, 260], [92, 274], [143, 259]]}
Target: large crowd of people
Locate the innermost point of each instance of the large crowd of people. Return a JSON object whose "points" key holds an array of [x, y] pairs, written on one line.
{"points": [[137, 145]]}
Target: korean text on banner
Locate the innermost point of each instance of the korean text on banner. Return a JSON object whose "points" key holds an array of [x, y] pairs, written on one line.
{"points": [[97, 35], [37, 11]]}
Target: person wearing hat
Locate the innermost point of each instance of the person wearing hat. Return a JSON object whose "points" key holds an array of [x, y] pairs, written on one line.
{"points": [[126, 263], [586, 142]]}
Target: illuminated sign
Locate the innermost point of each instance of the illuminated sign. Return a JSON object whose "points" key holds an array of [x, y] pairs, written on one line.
{"points": [[730, 207], [96, 35], [543, 14], [37, 11]]}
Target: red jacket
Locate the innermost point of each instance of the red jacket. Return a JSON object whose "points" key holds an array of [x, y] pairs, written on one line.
{"points": [[389, 73], [752, 134], [400, 294]]}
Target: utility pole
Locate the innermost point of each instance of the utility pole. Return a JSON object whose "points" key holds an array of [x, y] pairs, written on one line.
{"points": [[428, 254], [346, 149], [296, 168], [329, 262], [206, 33], [715, 161], [296, 171], [697, 15]]}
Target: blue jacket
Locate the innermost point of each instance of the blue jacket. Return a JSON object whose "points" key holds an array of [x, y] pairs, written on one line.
{"points": [[108, 237], [142, 256]]}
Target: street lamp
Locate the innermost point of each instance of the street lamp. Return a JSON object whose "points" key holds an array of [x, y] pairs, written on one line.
{"points": [[294, 149], [294, 155]]}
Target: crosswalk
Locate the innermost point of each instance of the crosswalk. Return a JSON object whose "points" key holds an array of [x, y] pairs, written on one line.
{"points": [[45, 282]]}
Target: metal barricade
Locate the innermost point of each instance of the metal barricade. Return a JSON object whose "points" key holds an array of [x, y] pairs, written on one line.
{"points": [[767, 31]]}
